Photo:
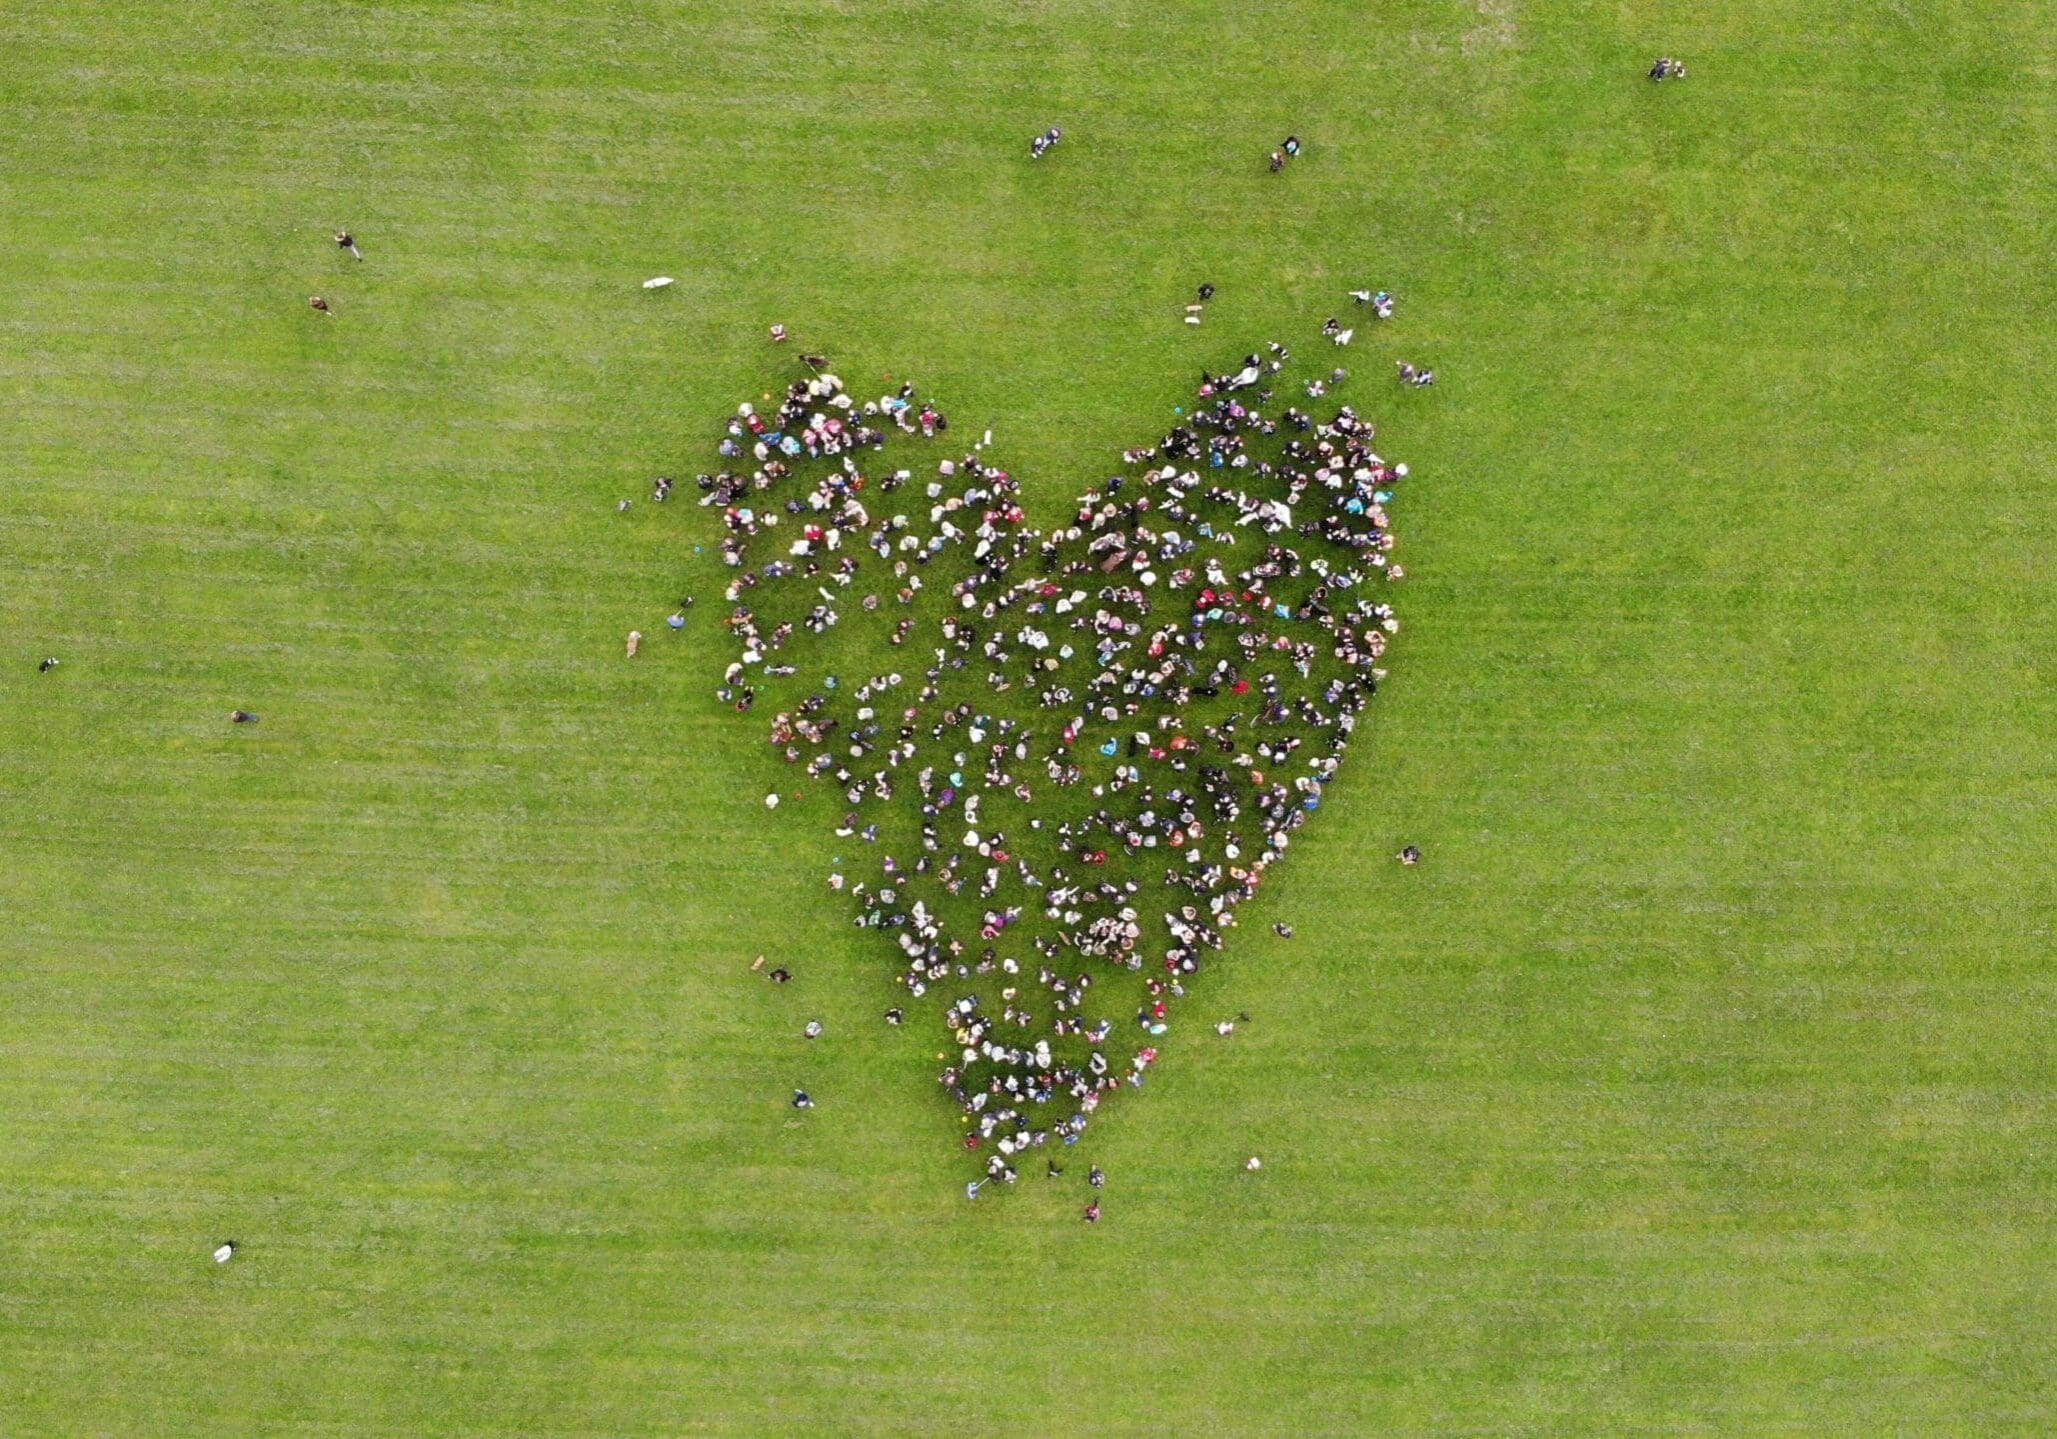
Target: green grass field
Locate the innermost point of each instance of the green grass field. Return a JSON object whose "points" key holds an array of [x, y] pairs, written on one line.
{"points": [[1700, 1081]]}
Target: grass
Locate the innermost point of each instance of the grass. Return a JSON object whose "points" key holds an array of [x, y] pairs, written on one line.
{"points": [[1698, 1081]]}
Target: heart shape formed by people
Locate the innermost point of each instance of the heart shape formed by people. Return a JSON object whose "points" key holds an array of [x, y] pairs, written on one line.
{"points": [[1073, 754]]}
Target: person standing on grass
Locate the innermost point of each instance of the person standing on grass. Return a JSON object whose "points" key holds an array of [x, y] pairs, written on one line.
{"points": [[344, 241]]}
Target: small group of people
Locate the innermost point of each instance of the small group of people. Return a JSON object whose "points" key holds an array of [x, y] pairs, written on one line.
{"points": [[1289, 149], [1044, 143], [344, 241], [1381, 302], [1666, 68]]}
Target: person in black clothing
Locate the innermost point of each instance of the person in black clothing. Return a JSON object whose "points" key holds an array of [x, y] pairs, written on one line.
{"points": [[242, 717]]}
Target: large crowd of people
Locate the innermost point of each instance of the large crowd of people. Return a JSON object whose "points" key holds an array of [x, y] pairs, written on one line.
{"points": [[1089, 745]]}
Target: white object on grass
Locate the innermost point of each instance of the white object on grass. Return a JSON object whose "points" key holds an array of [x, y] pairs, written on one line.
{"points": [[658, 282], [224, 1253]]}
